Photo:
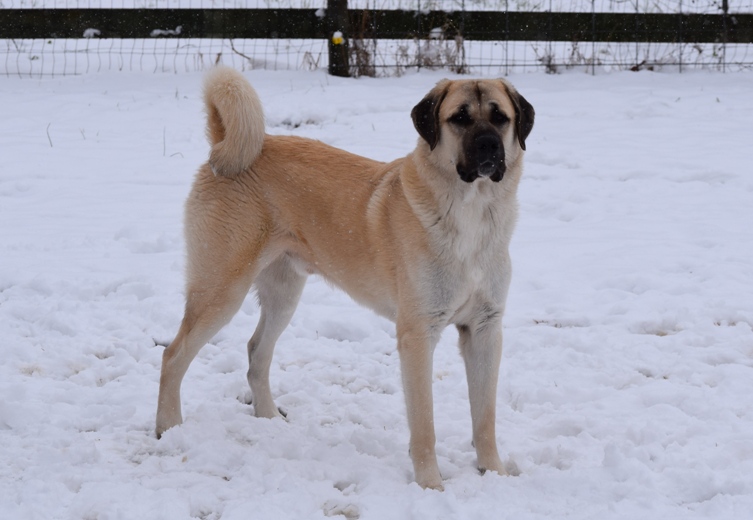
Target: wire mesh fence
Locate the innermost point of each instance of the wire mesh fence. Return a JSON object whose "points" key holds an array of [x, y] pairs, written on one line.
{"points": [[474, 36]]}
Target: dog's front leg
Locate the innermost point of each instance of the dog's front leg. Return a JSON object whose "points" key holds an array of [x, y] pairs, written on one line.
{"points": [[481, 347], [416, 348]]}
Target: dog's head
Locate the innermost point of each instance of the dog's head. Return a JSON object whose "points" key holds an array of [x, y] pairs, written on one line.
{"points": [[479, 126]]}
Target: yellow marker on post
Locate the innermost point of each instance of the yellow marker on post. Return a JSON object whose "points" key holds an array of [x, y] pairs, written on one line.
{"points": [[337, 38]]}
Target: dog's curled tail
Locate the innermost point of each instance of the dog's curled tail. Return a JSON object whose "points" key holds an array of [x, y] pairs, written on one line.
{"points": [[235, 121]]}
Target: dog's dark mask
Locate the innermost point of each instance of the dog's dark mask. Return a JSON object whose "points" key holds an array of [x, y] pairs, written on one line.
{"points": [[483, 156], [483, 151]]}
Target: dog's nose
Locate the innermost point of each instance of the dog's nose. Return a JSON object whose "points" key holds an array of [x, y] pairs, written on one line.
{"points": [[488, 152], [487, 145]]}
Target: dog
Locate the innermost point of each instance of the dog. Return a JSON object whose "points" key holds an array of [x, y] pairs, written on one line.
{"points": [[422, 240]]}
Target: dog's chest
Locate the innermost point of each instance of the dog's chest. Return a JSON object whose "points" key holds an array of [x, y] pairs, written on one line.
{"points": [[471, 242], [472, 229]]}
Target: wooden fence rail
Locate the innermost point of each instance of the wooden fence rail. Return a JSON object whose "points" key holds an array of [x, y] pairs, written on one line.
{"points": [[375, 24]]}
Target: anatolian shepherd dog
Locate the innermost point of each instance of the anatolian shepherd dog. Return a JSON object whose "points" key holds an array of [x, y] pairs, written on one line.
{"points": [[422, 240]]}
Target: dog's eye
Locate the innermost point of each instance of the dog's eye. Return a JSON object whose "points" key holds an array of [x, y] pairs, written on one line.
{"points": [[461, 118], [497, 118]]}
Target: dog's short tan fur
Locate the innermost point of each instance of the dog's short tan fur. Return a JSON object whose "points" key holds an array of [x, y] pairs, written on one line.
{"points": [[409, 239]]}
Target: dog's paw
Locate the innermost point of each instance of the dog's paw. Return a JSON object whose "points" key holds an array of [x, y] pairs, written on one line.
{"points": [[430, 479], [436, 486], [269, 412], [491, 463], [507, 469], [161, 429], [482, 471], [166, 419]]}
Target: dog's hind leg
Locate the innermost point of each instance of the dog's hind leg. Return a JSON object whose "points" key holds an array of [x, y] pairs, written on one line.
{"points": [[279, 288], [210, 304]]}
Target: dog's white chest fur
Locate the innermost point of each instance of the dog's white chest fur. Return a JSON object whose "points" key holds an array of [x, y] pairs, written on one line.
{"points": [[472, 236], [473, 216]]}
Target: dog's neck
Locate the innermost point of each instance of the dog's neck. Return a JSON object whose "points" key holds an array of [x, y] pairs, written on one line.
{"points": [[466, 218]]}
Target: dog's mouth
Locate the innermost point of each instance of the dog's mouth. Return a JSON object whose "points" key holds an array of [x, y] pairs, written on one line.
{"points": [[493, 170], [487, 168]]}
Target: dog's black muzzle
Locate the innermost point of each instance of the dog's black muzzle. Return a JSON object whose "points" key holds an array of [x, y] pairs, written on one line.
{"points": [[484, 157]]}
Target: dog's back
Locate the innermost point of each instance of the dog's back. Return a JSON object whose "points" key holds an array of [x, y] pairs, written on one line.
{"points": [[322, 206]]}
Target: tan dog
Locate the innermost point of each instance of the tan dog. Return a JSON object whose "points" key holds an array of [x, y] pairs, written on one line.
{"points": [[422, 240]]}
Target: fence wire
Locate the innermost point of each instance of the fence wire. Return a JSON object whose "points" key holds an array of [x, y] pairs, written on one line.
{"points": [[89, 53]]}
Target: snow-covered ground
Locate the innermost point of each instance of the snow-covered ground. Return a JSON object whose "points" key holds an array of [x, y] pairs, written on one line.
{"points": [[626, 388]]}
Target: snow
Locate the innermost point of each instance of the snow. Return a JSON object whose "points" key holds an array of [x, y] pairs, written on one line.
{"points": [[626, 388]]}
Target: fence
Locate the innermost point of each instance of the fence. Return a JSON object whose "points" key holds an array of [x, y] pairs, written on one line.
{"points": [[59, 37]]}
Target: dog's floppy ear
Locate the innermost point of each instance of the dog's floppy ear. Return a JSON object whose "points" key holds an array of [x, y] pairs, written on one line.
{"points": [[425, 115], [524, 115]]}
